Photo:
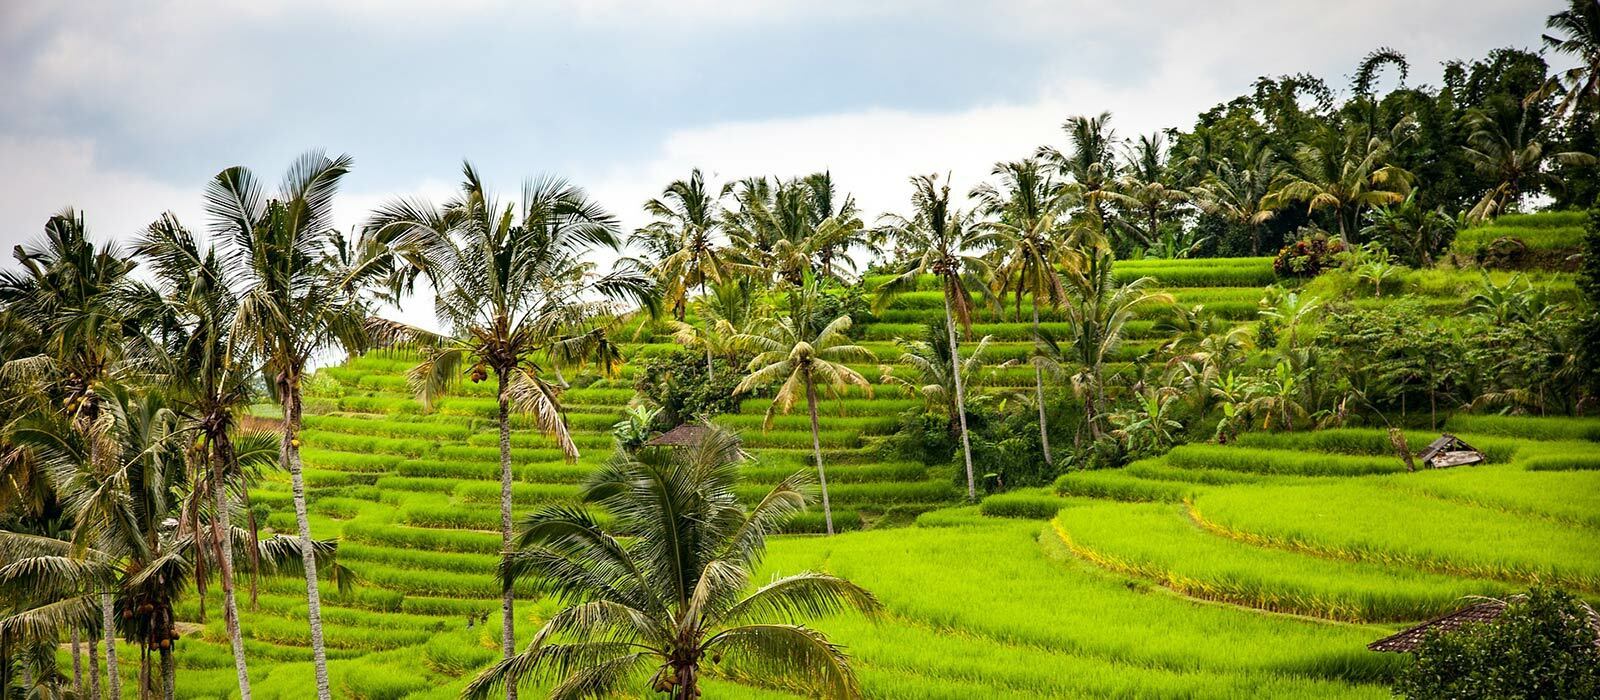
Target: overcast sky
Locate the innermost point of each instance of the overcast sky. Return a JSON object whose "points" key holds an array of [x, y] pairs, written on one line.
{"points": [[125, 108]]}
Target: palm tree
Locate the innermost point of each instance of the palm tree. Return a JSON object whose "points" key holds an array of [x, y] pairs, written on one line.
{"points": [[297, 299], [512, 285], [1098, 310], [1235, 193], [1146, 196], [1345, 180], [787, 350], [1275, 396], [131, 532], [1149, 422], [682, 240], [949, 246], [76, 293], [786, 229], [671, 593], [1415, 231], [1089, 167], [1026, 213], [836, 229], [1576, 33], [933, 372], [212, 381], [1515, 161]]}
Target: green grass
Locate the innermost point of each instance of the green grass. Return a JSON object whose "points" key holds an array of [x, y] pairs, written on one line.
{"points": [[1117, 485], [1286, 462], [1158, 542], [1370, 522]]}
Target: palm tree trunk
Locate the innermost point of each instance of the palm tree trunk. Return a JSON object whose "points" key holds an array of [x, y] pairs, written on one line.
{"points": [[816, 450], [688, 687], [711, 373], [108, 622], [508, 612], [77, 665], [169, 674], [94, 668], [961, 398], [290, 454], [223, 455], [1038, 388]]}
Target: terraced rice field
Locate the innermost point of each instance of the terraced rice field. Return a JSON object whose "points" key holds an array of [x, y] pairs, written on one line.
{"points": [[1254, 570]]}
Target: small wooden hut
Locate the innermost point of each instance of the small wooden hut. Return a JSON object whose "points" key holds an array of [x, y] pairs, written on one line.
{"points": [[1449, 451]]}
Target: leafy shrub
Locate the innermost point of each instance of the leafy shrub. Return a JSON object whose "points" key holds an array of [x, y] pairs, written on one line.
{"points": [[1308, 257], [1542, 646], [677, 382]]}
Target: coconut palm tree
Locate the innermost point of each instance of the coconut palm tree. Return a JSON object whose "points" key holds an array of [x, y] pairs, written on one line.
{"points": [[655, 604], [297, 300], [1515, 161], [835, 223], [1344, 179], [512, 284], [1575, 32], [1234, 192], [1026, 217], [948, 244], [789, 352], [131, 531], [682, 243], [1147, 197], [786, 229], [933, 372], [76, 294], [1089, 168], [1098, 310], [212, 381]]}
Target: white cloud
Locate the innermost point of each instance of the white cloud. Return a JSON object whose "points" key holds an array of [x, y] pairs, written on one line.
{"points": [[43, 176]]}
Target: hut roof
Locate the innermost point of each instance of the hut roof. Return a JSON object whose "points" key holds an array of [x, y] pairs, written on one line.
{"points": [[1407, 640], [681, 436], [1445, 443]]}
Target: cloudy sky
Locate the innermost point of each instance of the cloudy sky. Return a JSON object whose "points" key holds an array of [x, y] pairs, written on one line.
{"points": [[125, 108]]}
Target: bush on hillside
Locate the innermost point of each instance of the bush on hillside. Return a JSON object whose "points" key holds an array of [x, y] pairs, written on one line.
{"points": [[1309, 256], [677, 382], [1543, 646]]}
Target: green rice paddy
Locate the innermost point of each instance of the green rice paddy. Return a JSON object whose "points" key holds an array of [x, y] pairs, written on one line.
{"points": [[1256, 569]]}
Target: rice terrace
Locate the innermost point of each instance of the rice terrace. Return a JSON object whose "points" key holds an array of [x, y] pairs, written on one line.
{"points": [[1296, 397]]}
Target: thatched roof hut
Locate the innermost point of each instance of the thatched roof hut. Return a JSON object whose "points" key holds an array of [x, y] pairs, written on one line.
{"points": [[684, 435], [1449, 451], [1486, 612], [1407, 640]]}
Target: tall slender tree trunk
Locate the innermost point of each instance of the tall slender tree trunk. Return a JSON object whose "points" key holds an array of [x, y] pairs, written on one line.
{"points": [[222, 457], [816, 450], [711, 373], [508, 611], [169, 674], [961, 397], [109, 624], [94, 668], [290, 454], [688, 676], [1038, 388], [77, 665]]}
